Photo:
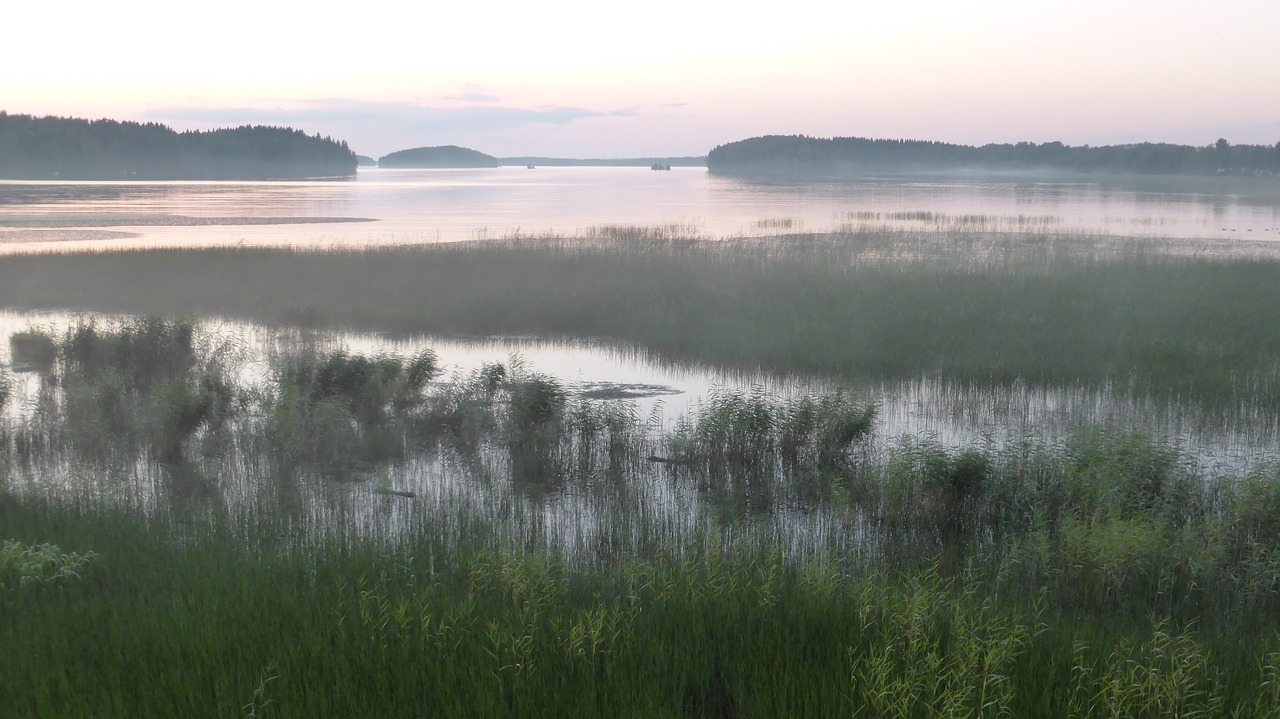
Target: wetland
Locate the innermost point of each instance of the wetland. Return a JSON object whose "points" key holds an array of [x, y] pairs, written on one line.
{"points": [[710, 448]]}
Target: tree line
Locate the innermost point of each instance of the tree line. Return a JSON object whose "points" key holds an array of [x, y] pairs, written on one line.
{"points": [[798, 154], [77, 149], [442, 156]]}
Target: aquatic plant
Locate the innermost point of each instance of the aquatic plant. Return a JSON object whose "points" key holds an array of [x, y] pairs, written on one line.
{"points": [[181, 408], [534, 429], [34, 350], [125, 385], [970, 306], [462, 410], [508, 546], [820, 431], [142, 352], [333, 409], [935, 654], [1127, 474], [22, 565]]}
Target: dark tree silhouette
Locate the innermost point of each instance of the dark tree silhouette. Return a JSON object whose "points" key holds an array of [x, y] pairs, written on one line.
{"points": [[798, 154], [442, 156], [69, 148]]}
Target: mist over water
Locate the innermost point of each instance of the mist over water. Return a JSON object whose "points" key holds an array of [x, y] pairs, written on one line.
{"points": [[427, 206], [394, 207], [955, 413]]}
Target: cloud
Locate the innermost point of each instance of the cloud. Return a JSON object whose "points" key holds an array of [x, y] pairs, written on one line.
{"points": [[378, 128], [470, 97], [1267, 133], [435, 118]]}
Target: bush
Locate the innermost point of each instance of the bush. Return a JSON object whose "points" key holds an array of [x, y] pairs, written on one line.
{"points": [[33, 350], [6, 389], [339, 409], [144, 352], [181, 408], [1128, 474]]}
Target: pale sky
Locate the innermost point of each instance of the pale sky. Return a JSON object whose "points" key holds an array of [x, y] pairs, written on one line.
{"points": [[572, 78]]}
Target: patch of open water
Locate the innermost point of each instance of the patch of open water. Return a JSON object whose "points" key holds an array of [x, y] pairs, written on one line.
{"points": [[955, 413], [383, 502], [425, 206], [415, 207]]}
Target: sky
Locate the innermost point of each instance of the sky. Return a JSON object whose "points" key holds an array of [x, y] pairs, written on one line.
{"points": [[570, 78]]}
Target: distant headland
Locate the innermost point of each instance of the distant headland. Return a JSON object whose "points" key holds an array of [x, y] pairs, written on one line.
{"points": [[812, 156], [445, 156], [684, 161], [454, 157], [75, 149]]}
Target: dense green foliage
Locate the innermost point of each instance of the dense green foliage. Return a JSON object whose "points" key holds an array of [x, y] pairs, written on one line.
{"points": [[444, 156], [75, 149], [33, 350], [802, 155], [1102, 576], [357, 535], [335, 410], [158, 621]]}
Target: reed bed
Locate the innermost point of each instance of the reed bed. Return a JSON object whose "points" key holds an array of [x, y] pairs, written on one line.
{"points": [[491, 544], [355, 535], [967, 306]]}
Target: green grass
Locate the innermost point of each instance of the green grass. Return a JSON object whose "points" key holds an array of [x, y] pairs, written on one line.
{"points": [[1195, 330], [1107, 574], [6, 389], [176, 544], [34, 349], [163, 619]]}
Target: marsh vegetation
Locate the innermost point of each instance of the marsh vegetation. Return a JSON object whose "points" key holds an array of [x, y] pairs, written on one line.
{"points": [[333, 532]]}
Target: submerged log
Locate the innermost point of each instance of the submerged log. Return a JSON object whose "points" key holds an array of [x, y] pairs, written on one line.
{"points": [[670, 460], [394, 492]]}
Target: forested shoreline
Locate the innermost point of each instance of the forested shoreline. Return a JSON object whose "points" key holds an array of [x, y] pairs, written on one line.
{"points": [[77, 149], [444, 156], [801, 155]]}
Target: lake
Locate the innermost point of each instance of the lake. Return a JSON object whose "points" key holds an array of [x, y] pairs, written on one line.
{"points": [[427, 206], [385, 207], [380, 206], [955, 413]]}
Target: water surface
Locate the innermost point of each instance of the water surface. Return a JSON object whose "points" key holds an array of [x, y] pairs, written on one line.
{"points": [[426, 206]]}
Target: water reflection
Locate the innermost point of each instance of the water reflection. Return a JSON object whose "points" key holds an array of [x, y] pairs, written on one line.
{"points": [[620, 500], [957, 413], [424, 206]]}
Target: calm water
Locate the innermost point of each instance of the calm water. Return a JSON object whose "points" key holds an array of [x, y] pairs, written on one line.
{"points": [[582, 519], [408, 206], [957, 414], [423, 206]]}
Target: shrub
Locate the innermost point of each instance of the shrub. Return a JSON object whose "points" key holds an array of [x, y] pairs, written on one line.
{"points": [[336, 409], [1127, 474], [181, 408], [33, 349], [144, 352], [23, 565], [535, 424]]}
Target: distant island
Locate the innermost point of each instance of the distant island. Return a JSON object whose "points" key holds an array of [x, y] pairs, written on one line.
{"points": [[42, 148], [687, 161], [445, 156], [801, 155]]}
